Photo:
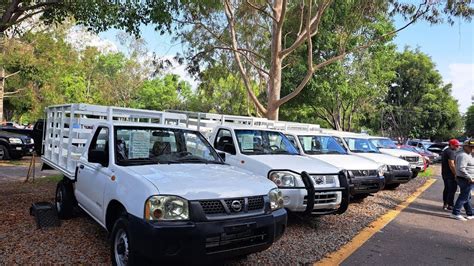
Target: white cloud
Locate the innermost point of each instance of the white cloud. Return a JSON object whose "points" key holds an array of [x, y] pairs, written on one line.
{"points": [[462, 78], [80, 39]]}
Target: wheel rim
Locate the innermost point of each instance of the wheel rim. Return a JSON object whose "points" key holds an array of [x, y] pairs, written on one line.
{"points": [[59, 200], [121, 247]]}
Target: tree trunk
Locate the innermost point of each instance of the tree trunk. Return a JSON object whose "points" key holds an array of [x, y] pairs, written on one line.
{"points": [[274, 80]]}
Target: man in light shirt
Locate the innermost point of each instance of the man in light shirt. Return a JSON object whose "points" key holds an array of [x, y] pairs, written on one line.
{"points": [[465, 180]]}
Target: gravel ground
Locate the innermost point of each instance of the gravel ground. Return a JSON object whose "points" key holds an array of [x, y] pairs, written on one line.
{"points": [[82, 241]]}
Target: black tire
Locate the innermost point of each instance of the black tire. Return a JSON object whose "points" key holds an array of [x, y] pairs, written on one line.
{"points": [[360, 197], [414, 174], [392, 186], [65, 200], [4, 154], [122, 253]]}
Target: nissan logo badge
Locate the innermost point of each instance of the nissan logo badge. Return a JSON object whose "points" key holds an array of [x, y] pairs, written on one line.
{"points": [[236, 206]]}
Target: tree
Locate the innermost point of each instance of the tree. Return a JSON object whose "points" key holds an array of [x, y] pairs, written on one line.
{"points": [[249, 24], [95, 15], [418, 104], [469, 121]]}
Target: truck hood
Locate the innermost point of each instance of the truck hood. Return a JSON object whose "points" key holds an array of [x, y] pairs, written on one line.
{"points": [[200, 181], [383, 158], [348, 162], [297, 163], [398, 152]]}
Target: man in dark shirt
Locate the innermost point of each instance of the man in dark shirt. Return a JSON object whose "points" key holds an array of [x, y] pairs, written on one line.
{"points": [[448, 172]]}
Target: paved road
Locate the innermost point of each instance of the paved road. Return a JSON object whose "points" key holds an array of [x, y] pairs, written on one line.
{"points": [[423, 234], [17, 170]]}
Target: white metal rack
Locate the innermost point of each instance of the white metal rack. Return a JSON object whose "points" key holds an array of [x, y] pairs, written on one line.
{"points": [[68, 128]]}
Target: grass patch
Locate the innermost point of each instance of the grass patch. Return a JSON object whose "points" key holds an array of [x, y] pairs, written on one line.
{"points": [[54, 178], [427, 173]]}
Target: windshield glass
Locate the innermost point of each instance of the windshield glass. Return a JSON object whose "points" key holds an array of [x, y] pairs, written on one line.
{"points": [[384, 143], [140, 145], [360, 145], [255, 142], [320, 145]]}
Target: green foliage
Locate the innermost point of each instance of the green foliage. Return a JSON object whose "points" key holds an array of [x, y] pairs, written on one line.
{"points": [[469, 121], [418, 104]]}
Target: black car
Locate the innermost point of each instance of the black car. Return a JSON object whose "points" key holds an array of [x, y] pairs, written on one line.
{"points": [[15, 146]]}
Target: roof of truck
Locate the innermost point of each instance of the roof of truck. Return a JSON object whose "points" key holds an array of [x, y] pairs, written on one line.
{"points": [[153, 125]]}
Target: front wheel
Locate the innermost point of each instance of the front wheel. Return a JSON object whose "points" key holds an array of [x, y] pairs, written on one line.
{"points": [[65, 200], [415, 174], [4, 155], [392, 186], [121, 251]]}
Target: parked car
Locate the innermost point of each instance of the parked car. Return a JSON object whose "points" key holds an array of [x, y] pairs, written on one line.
{"points": [[14, 146], [438, 148], [430, 157], [398, 171], [308, 185], [161, 191], [365, 176], [388, 146]]}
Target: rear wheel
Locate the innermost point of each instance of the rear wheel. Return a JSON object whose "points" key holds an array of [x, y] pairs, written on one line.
{"points": [[392, 186], [415, 174], [65, 200], [4, 155]]}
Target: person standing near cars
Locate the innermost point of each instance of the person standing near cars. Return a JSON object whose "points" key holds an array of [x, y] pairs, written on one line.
{"points": [[448, 172], [465, 180]]}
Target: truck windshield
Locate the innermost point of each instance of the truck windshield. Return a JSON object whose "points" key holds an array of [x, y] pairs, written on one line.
{"points": [[360, 145], [320, 145], [256, 142], [384, 143], [140, 145]]}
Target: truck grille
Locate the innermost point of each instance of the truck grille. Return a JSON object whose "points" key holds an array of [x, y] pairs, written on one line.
{"points": [[363, 173], [411, 159], [213, 207], [400, 167], [322, 198]]}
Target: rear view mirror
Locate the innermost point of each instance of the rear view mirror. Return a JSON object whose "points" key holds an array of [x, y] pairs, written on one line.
{"points": [[99, 156], [229, 148], [222, 155]]}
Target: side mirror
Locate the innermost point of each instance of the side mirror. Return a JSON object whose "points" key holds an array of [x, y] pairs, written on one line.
{"points": [[222, 155], [229, 148], [97, 156]]}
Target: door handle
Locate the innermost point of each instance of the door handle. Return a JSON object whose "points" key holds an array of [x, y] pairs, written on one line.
{"points": [[81, 166]]}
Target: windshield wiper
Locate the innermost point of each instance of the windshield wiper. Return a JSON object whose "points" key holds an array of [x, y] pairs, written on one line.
{"points": [[197, 160]]}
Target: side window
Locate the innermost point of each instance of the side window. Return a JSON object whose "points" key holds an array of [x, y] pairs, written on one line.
{"points": [[224, 141], [99, 149], [293, 141], [341, 142]]}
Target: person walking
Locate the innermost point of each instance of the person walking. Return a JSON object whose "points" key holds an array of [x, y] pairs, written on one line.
{"points": [[448, 172], [465, 180]]}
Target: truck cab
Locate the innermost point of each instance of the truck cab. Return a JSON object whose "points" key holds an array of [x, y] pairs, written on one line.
{"points": [[160, 190], [397, 172], [365, 176], [388, 146], [309, 186]]}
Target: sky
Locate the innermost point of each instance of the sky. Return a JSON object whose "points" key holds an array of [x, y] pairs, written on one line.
{"points": [[450, 47]]}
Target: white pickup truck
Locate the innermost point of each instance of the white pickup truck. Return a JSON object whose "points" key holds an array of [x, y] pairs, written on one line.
{"points": [[309, 186], [388, 146], [397, 172], [161, 191], [365, 175]]}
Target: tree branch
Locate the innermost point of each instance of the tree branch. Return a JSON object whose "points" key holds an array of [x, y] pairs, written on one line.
{"points": [[261, 9], [230, 19], [40, 4], [7, 76], [12, 92]]}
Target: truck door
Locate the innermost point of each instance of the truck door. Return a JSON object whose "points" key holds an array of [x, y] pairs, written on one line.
{"points": [[93, 174], [224, 142]]}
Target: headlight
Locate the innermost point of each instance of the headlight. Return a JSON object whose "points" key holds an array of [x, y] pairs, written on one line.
{"points": [[166, 208], [15, 141], [32, 141], [283, 179], [382, 170], [324, 179], [276, 199]]}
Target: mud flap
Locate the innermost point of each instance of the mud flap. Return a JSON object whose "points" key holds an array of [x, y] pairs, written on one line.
{"points": [[344, 183]]}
